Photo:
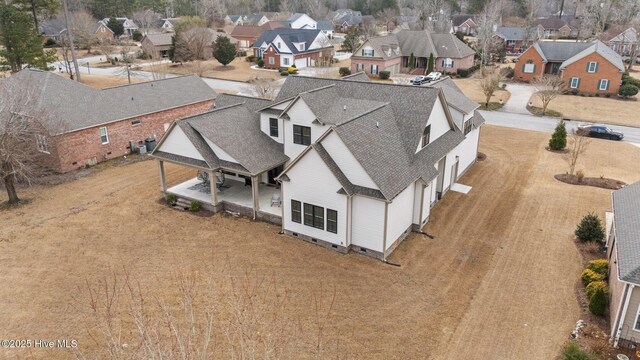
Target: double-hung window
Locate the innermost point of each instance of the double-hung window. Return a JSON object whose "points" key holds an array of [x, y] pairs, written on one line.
{"points": [[367, 52], [314, 216], [374, 69], [301, 135], [332, 221], [574, 83], [273, 127], [603, 84], [104, 136], [296, 211], [592, 66], [426, 134]]}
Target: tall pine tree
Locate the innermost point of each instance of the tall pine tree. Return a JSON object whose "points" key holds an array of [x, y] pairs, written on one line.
{"points": [[22, 43]]}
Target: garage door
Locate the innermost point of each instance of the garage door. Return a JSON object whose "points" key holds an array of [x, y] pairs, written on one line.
{"points": [[301, 63]]}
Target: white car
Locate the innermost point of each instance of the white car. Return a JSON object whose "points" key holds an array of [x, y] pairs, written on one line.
{"points": [[434, 76]]}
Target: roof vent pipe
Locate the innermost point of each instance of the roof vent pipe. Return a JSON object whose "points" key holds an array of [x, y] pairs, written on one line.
{"points": [[344, 107], [377, 125]]}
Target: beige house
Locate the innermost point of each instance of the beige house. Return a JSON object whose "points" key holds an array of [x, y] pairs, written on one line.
{"points": [[157, 45], [623, 251]]}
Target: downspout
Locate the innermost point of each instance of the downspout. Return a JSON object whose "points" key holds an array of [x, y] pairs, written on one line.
{"points": [[624, 311], [282, 205], [348, 225], [422, 187], [619, 312], [384, 238]]}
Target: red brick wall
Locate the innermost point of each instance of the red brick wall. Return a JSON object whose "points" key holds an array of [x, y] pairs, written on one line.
{"points": [[367, 62], [462, 63], [104, 36], [74, 150], [529, 54], [589, 81], [271, 54]]}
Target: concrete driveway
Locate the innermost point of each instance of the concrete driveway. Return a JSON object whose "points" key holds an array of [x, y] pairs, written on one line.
{"points": [[520, 95]]}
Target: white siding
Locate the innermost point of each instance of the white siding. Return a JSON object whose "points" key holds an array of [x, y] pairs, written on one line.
{"points": [[219, 152], [320, 41], [400, 214], [264, 126], [438, 121], [176, 142], [283, 57], [417, 201], [283, 46], [347, 162], [426, 204], [313, 183], [467, 150], [458, 117], [300, 114], [304, 22], [368, 223]]}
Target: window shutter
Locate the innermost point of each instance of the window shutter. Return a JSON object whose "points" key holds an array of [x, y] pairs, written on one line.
{"points": [[588, 65], [534, 68], [578, 84], [523, 67], [373, 53], [599, 84], [608, 82], [597, 67]]}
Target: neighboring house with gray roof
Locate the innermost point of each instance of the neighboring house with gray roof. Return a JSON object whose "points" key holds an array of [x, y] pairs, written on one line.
{"points": [[586, 67], [623, 253], [465, 24], [157, 45], [622, 39], [393, 53], [515, 39], [86, 125], [251, 19], [345, 163], [284, 47]]}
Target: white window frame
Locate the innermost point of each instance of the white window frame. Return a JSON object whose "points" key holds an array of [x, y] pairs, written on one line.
{"points": [[285, 61], [367, 52], [377, 70], [278, 44], [359, 67], [595, 66], [106, 135], [41, 143], [272, 61], [448, 62], [604, 82], [301, 47], [102, 29], [571, 82], [529, 68]]}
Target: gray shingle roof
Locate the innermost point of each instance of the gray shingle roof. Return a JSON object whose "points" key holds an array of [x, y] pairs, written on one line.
{"points": [[626, 210], [455, 97], [236, 130], [289, 36], [458, 20], [160, 39], [515, 33], [79, 106], [558, 51], [419, 42], [384, 139], [600, 48], [359, 76], [324, 25]]}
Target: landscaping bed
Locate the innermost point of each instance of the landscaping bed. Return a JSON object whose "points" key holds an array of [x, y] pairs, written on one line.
{"points": [[600, 182]]}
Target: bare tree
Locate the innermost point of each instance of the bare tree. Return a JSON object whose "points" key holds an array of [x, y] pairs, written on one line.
{"points": [[386, 16], [105, 48], [213, 11], [548, 88], [577, 146], [263, 88], [24, 134], [316, 9], [487, 20], [489, 85], [287, 6], [433, 15], [532, 8], [146, 19], [193, 43], [84, 27], [127, 57]]}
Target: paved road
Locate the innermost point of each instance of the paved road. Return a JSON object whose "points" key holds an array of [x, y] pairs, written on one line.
{"points": [[548, 124], [520, 95]]}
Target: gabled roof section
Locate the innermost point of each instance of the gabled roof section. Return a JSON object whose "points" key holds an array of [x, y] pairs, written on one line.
{"points": [[236, 130], [160, 39], [79, 106], [603, 50], [559, 51], [515, 33], [448, 45], [251, 103], [419, 42], [341, 110], [455, 97], [289, 36], [626, 217], [621, 33], [458, 20]]}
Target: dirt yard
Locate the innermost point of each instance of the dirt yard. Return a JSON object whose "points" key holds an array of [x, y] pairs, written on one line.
{"points": [[595, 109], [471, 88], [497, 282]]}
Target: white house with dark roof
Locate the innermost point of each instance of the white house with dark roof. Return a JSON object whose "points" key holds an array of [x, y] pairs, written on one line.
{"points": [[129, 25], [344, 163], [284, 47], [623, 253], [301, 21]]}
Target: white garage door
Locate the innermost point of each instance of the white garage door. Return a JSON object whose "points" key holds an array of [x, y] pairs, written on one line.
{"points": [[301, 63]]}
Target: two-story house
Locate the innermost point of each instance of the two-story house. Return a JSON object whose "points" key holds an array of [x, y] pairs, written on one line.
{"points": [[284, 47], [300, 21], [622, 39], [624, 267], [586, 67], [129, 25], [344, 163], [394, 52], [515, 40]]}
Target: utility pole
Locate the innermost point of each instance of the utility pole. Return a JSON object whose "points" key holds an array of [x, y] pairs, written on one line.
{"points": [[562, 8], [70, 35]]}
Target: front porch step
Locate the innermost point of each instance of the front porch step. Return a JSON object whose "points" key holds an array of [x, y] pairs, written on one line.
{"points": [[182, 204]]}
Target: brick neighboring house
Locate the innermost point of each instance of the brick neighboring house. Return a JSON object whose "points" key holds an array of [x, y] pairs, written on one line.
{"points": [[623, 39], [586, 67], [104, 34], [54, 29], [392, 53], [157, 45], [284, 47], [129, 25], [465, 24], [514, 39], [555, 28], [247, 35], [87, 125]]}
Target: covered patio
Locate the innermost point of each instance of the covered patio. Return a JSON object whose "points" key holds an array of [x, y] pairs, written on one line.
{"points": [[231, 192]]}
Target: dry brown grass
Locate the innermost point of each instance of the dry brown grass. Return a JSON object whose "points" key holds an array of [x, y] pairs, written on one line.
{"points": [[104, 81], [237, 70], [471, 88], [497, 281], [595, 109]]}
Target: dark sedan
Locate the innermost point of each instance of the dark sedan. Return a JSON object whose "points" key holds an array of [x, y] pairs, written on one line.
{"points": [[599, 131]]}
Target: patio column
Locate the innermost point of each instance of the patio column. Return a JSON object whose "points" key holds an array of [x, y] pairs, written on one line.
{"points": [[214, 188], [163, 184], [256, 196]]}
